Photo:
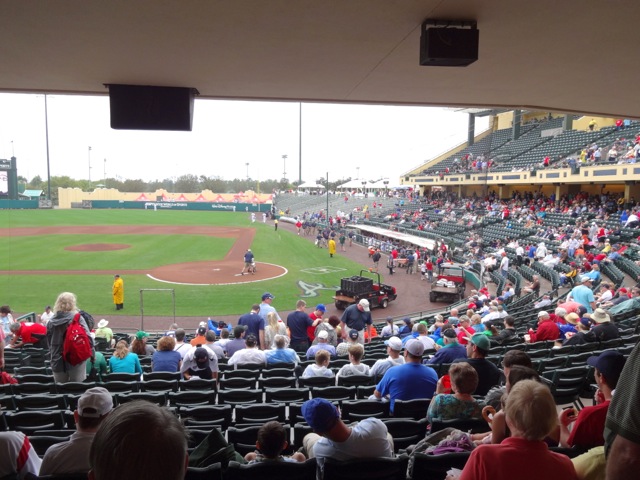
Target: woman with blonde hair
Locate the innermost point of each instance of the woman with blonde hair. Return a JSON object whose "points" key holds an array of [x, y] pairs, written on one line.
{"points": [[124, 361], [65, 310], [273, 328]]}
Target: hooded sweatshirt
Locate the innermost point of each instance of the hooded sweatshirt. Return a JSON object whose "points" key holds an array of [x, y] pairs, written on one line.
{"points": [[317, 371], [351, 369], [56, 329]]}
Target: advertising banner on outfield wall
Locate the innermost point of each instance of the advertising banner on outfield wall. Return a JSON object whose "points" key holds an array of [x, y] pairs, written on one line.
{"points": [[154, 205]]}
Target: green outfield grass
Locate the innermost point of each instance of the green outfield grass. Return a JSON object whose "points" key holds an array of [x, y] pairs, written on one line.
{"points": [[32, 292]]}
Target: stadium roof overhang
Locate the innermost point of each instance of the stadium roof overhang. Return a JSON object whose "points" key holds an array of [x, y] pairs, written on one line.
{"points": [[541, 55]]}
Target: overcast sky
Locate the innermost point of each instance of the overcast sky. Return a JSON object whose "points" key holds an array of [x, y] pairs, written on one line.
{"points": [[382, 141]]}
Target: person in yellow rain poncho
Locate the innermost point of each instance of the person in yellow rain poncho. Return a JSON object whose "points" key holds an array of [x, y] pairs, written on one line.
{"points": [[332, 247], [118, 292]]}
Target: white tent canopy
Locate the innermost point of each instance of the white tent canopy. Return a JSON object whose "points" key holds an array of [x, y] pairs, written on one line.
{"points": [[353, 184], [310, 185], [370, 185], [379, 185]]}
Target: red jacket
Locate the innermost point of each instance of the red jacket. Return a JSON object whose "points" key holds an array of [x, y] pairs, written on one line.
{"points": [[547, 330]]}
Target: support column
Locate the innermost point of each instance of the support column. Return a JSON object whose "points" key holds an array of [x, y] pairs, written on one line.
{"points": [[460, 191], [517, 120], [500, 192], [472, 129], [558, 193], [567, 123]]}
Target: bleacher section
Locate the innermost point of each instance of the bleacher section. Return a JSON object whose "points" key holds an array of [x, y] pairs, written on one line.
{"points": [[529, 150]]}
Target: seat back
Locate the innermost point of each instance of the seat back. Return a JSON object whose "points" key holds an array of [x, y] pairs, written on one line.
{"points": [[369, 468], [316, 382], [122, 377], [286, 395], [405, 431], [159, 385], [213, 414], [192, 398], [237, 383], [261, 413], [40, 402], [272, 471], [212, 472], [162, 376], [31, 422], [355, 410], [436, 466], [277, 382], [416, 409], [236, 397], [355, 380], [159, 398], [334, 394], [198, 384]]}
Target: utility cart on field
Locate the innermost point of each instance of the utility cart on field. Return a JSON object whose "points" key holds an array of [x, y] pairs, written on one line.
{"points": [[449, 285], [353, 289]]}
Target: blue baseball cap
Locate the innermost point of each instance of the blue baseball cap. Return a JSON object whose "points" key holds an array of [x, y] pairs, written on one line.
{"points": [[267, 295], [321, 307], [320, 414]]}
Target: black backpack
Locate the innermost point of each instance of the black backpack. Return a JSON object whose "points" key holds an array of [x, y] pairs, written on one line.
{"points": [[89, 319]]}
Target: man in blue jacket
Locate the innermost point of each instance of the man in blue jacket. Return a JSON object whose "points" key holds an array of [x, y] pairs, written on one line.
{"points": [[451, 351]]}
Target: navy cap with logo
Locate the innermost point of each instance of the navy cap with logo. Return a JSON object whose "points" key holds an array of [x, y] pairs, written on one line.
{"points": [[610, 364], [200, 354]]}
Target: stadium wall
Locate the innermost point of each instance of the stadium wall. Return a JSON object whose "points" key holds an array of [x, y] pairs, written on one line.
{"points": [[70, 197]]}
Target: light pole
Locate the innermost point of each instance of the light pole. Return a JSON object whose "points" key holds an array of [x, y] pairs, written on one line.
{"points": [[89, 166], [284, 168], [386, 187], [247, 164], [46, 133], [300, 144], [358, 172], [327, 193], [364, 187], [104, 173]]}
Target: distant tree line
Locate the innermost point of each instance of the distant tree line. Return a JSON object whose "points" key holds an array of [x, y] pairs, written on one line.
{"points": [[183, 184]]}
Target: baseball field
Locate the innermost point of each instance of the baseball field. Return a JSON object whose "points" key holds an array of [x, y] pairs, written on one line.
{"points": [[197, 254]]}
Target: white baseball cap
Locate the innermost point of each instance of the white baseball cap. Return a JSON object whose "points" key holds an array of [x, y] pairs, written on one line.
{"points": [[394, 343], [364, 303], [95, 403]]}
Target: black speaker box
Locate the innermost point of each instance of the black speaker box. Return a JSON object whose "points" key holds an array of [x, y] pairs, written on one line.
{"points": [[141, 107], [449, 47]]}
